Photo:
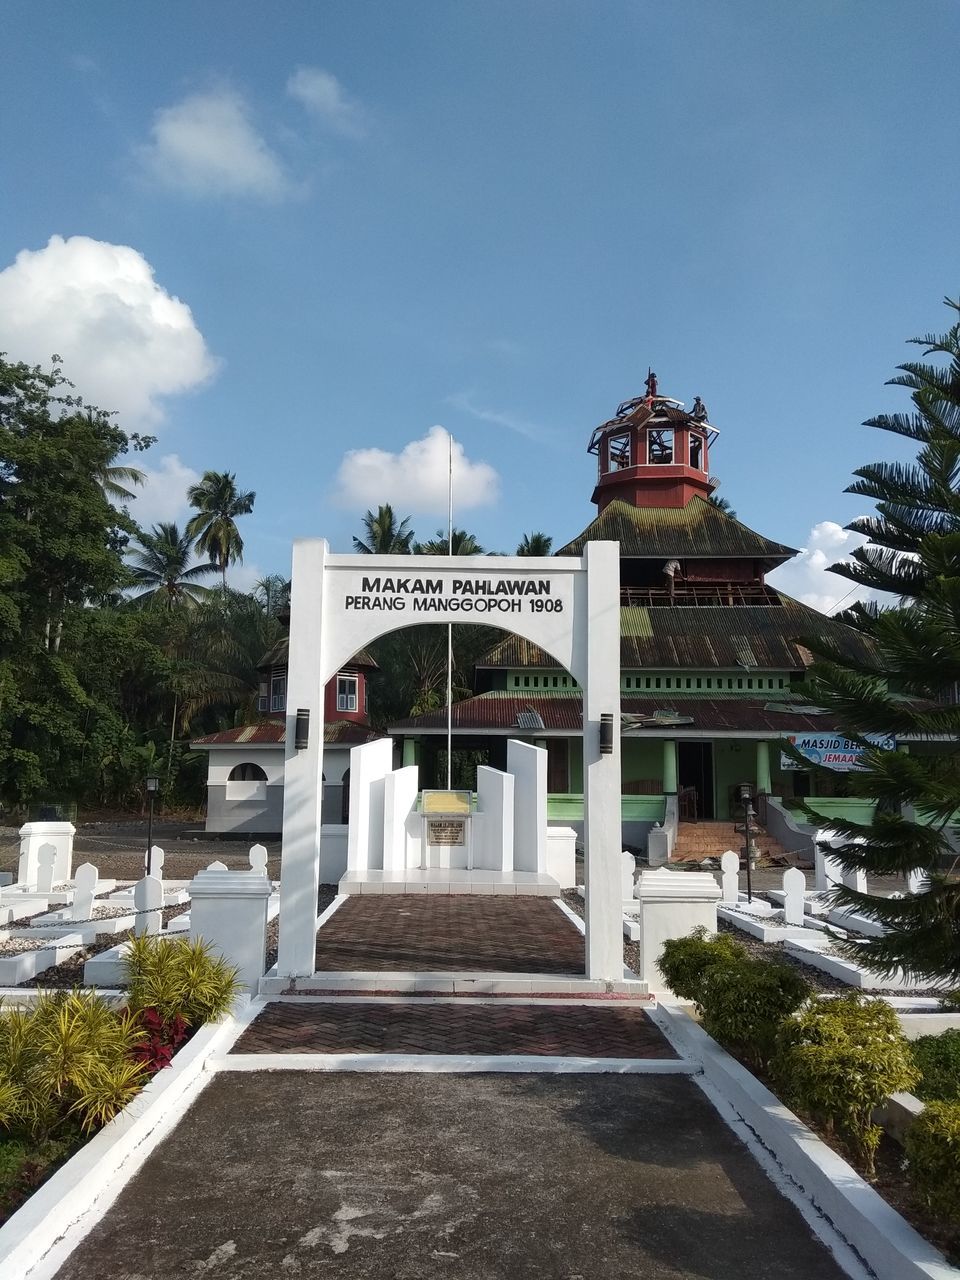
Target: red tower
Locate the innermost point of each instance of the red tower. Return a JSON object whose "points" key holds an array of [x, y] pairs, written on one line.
{"points": [[653, 453]]}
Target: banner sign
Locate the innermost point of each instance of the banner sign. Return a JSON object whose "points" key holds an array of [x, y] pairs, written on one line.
{"points": [[832, 750]]}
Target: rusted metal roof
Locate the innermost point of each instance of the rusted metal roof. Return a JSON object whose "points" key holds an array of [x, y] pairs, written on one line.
{"points": [[500, 710], [751, 637], [273, 733], [699, 529]]}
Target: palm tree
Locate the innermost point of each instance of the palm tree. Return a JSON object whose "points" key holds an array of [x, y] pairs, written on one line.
{"points": [[384, 537], [218, 503], [161, 570], [535, 544], [722, 504], [463, 544]]}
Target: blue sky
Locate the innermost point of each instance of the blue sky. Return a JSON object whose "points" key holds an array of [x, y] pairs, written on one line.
{"points": [[379, 218]]}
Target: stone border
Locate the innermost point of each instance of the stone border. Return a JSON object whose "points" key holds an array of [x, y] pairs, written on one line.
{"points": [[877, 1233], [37, 1239]]}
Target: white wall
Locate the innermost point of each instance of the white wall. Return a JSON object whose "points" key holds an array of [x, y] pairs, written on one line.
{"points": [[528, 765], [493, 837], [369, 765]]}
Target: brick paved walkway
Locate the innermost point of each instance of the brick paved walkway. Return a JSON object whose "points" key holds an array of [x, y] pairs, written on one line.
{"points": [[450, 933], [369, 1026]]}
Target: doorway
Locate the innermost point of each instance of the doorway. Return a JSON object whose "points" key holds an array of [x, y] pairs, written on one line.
{"points": [[695, 769]]}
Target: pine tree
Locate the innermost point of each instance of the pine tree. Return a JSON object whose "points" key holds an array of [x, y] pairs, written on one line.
{"points": [[914, 553]]}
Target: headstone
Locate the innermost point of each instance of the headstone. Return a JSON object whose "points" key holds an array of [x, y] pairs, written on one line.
{"points": [[148, 901], [827, 870], [155, 860], [84, 891], [856, 880], [217, 866], [258, 859], [917, 881], [46, 860], [730, 877], [628, 868], [794, 889]]}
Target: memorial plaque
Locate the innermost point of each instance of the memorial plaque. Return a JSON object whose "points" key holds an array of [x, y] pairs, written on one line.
{"points": [[446, 833], [446, 802]]}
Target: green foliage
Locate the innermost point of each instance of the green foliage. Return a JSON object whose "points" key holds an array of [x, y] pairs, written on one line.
{"points": [[383, 535], [162, 574], [25, 1165], [744, 1003], [938, 1060], [218, 502], [933, 1155], [534, 544], [839, 1059], [65, 1061], [684, 962], [61, 545], [179, 978], [910, 687]]}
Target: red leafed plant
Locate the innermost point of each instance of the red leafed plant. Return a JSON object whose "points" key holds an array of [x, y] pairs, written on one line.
{"points": [[161, 1040]]}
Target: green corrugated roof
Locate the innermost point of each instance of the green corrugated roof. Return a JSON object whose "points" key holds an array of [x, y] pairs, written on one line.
{"points": [[698, 529], [759, 637]]}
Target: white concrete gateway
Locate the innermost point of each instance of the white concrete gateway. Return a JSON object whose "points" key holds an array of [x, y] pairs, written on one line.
{"points": [[569, 606]]}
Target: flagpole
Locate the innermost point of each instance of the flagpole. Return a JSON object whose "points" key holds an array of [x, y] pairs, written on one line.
{"points": [[449, 624]]}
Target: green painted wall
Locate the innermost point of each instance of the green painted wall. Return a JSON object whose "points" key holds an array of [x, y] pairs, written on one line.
{"points": [[734, 761], [569, 808], [855, 808], [641, 758]]}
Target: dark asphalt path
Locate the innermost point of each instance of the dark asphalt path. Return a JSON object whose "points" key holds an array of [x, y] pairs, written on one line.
{"points": [[416, 1177]]}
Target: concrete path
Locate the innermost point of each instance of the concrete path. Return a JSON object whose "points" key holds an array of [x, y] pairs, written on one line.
{"points": [[420, 1176]]}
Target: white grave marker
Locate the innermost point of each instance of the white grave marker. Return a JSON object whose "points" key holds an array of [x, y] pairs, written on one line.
{"points": [[730, 877], [155, 860], [148, 901], [258, 859], [217, 866], [628, 869], [84, 891], [794, 888], [46, 860]]}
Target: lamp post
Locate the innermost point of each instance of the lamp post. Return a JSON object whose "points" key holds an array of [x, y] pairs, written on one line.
{"points": [[746, 795], [152, 784]]}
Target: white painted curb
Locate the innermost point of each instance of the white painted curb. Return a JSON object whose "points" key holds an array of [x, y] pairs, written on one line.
{"points": [[37, 1239], [886, 1242]]}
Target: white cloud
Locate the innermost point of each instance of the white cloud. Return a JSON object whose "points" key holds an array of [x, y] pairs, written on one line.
{"points": [[207, 145], [244, 577], [323, 96], [125, 341], [415, 480], [807, 576], [163, 495], [464, 401]]}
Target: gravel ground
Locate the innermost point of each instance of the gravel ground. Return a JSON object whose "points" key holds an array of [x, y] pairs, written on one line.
{"points": [[70, 973], [117, 849], [17, 946]]}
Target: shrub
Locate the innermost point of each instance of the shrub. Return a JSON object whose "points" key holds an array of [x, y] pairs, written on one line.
{"points": [[65, 1061], [744, 1003], [933, 1154], [685, 961], [938, 1061], [179, 979], [841, 1058]]}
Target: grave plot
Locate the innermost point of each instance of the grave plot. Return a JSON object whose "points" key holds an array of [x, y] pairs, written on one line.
{"points": [[758, 917], [23, 958]]}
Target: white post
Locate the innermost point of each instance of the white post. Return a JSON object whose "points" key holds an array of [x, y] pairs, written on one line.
{"points": [[228, 909], [303, 770], [601, 773], [730, 877]]}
